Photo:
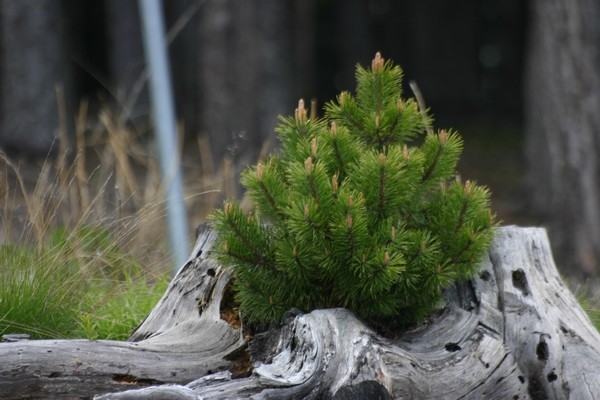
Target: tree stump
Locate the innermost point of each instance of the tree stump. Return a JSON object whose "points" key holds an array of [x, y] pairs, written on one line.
{"points": [[514, 332]]}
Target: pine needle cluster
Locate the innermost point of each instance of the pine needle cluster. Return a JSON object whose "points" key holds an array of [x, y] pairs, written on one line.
{"points": [[360, 209]]}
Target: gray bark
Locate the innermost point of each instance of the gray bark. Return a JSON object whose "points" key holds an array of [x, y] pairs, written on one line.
{"points": [[562, 89], [514, 331]]}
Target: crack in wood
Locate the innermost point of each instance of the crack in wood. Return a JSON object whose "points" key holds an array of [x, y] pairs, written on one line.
{"points": [[134, 380]]}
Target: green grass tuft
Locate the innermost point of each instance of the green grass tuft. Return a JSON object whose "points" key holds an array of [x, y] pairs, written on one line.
{"points": [[79, 285]]}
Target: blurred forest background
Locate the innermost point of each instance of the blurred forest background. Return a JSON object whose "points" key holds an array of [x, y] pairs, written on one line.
{"points": [[520, 80]]}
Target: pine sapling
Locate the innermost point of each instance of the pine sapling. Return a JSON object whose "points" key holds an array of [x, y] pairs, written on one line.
{"points": [[359, 209]]}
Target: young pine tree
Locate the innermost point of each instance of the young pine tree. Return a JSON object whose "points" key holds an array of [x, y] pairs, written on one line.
{"points": [[357, 210]]}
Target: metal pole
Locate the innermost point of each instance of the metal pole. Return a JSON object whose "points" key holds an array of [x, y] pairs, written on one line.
{"points": [[161, 95]]}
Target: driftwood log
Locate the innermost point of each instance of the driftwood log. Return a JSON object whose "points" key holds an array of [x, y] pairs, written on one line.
{"points": [[513, 332]]}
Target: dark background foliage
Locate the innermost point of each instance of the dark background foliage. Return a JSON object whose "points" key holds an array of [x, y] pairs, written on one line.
{"points": [[485, 67]]}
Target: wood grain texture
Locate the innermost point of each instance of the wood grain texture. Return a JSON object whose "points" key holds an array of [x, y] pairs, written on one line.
{"points": [[514, 331]]}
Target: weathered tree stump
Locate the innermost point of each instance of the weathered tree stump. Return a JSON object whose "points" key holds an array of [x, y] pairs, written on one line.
{"points": [[515, 331]]}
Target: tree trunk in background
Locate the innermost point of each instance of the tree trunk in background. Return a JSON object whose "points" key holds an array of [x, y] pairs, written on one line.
{"points": [[562, 89], [215, 21], [182, 20], [244, 75], [126, 62], [33, 62]]}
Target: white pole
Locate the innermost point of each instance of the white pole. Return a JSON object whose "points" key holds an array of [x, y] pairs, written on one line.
{"points": [[161, 95]]}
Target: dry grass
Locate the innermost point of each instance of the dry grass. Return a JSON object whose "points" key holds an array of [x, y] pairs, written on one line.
{"points": [[94, 213]]}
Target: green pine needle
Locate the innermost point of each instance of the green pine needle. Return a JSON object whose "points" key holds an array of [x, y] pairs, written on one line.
{"points": [[351, 213]]}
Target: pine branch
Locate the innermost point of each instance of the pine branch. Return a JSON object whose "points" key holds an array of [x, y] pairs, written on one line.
{"points": [[350, 238], [270, 198], [461, 216], [338, 157], [348, 119], [310, 180], [395, 122], [382, 176], [429, 171], [361, 219], [242, 259]]}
